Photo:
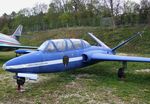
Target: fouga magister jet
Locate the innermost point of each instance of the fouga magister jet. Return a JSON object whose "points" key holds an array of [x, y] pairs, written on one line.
{"points": [[66, 54], [8, 43]]}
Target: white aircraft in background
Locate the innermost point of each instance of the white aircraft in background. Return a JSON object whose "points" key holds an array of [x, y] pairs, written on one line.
{"points": [[8, 43]]}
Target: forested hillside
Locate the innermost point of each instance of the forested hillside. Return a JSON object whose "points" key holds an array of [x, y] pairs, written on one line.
{"points": [[107, 35], [111, 20], [74, 13]]}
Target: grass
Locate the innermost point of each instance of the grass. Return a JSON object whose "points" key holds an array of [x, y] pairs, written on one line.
{"points": [[95, 84]]}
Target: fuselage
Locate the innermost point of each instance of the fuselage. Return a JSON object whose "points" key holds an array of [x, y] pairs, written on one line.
{"points": [[55, 56], [7, 40]]}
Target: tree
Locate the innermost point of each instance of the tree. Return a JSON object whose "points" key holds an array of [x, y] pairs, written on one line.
{"points": [[130, 12], [114, 6], [39, 9], [5, 29], [145, 11], [65, 18]]}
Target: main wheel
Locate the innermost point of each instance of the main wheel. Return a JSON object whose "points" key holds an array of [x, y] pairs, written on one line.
{"points": [[121, 73]]}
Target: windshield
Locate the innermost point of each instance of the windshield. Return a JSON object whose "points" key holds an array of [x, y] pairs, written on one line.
{"points": [[43, 46], [50, 47]]}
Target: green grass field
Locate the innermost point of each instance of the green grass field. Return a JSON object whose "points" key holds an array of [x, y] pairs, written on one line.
{"points": [[96, 84]]}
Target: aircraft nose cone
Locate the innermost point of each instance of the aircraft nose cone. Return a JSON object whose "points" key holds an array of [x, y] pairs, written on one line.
{"points": [[22, 63], [8, 65], [4, 66]]}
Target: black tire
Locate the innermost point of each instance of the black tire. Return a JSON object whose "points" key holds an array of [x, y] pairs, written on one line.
{"points": [[121, 73], [21, 80]]}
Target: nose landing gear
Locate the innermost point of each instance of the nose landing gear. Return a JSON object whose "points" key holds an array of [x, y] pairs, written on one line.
{"points": [[20, 83]]}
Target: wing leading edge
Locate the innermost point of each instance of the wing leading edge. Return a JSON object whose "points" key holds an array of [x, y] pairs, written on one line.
{"points": [[107, 57], [17, 47]]}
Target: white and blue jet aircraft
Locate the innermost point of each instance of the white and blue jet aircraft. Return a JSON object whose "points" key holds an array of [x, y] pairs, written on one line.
{"points": [[66, 54]]}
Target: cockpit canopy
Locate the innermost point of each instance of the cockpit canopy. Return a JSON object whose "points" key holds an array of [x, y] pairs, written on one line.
{"points": [[63, 44]]}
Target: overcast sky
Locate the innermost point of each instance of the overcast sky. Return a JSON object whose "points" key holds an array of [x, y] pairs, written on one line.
{"points": [[7, 6]]}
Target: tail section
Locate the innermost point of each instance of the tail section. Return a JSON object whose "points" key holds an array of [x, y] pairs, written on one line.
{"points": [[98, 41], [17, 32], [119, 45], [126, 41]]}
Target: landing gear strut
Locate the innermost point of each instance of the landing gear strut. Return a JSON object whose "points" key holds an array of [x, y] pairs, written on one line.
{"points": [[16, 55], [20, 82], [121, 71]]}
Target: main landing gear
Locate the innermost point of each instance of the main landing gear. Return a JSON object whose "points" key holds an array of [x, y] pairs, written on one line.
{"points": [[20, 83], [121, 71], [17, 54]]}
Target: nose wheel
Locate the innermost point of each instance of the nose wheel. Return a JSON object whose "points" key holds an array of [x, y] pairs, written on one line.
{"points": [[20, 82]]}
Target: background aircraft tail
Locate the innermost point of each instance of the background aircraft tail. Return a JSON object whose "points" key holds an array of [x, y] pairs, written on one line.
{"points": [[17, 32]]}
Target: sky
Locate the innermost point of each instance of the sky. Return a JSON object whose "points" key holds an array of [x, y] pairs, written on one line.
{"points": [[7, 6]]}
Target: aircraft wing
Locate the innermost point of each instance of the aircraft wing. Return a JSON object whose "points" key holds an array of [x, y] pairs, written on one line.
{"points": [[16, 47], [107, 57]]}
